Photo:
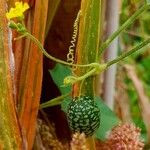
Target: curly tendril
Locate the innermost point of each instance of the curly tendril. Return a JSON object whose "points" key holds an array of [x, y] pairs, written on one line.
{"points": [[70, 55]]}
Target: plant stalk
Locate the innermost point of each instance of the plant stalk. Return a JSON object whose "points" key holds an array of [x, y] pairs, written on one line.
{"points": [[126, 54], [112, 17], [87, 49], [124, 26]]}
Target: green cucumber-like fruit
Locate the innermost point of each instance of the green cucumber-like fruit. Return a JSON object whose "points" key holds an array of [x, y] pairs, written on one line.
{"points": [[83, 115]]}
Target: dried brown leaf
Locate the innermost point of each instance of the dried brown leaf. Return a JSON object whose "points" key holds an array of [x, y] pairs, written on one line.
{"points": [[143, 100]]}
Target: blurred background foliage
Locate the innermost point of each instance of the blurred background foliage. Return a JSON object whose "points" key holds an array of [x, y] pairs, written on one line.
{"points": [[136, 33]]}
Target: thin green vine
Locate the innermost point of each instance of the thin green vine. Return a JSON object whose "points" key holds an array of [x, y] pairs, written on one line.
{"points": [[28, 35], [24, 33], [124, 26], [102, 67], [128, 53]]}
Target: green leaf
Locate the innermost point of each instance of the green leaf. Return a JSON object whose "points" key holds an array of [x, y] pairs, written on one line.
{"points": [[108, 119], [58, 74], [65, 103]]}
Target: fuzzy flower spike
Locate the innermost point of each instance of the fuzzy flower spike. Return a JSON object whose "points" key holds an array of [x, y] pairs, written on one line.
{"points": [[18, 11]]}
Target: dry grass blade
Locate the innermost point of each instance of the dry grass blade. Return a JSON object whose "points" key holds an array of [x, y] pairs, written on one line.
{"points": [[121, 97], [10, 135], [31, 72], [143, 100], [52, 8]]}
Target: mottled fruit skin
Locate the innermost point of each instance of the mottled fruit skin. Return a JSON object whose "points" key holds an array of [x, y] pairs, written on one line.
{"points": [[83, 115]]}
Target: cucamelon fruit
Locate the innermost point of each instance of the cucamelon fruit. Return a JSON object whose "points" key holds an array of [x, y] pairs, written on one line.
{"points": [[83, 115]]}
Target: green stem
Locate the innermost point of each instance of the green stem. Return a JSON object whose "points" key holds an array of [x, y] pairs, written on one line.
{"points": [[126, 54], [141, 35], [53, 102], [72, 79], [125, 25], [88, 74], [27, 34], [103, 67]]}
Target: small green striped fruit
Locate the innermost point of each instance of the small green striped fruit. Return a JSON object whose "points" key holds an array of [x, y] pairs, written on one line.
{"points": [[83, 115]]}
